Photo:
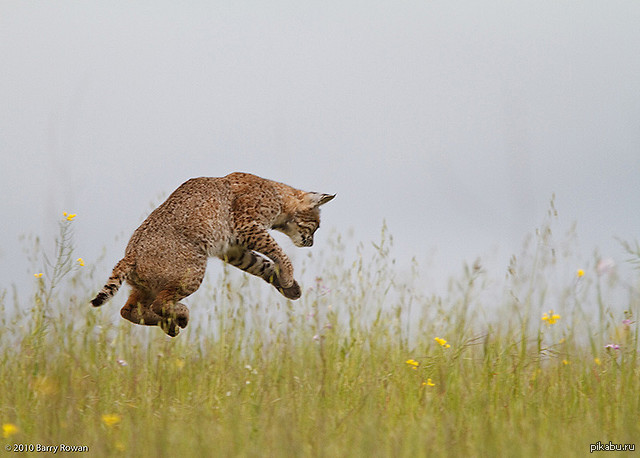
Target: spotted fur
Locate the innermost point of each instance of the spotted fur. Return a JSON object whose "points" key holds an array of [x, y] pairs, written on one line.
{"points": [[228, 218]]}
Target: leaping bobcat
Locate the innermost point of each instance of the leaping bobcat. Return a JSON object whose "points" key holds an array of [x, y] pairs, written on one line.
{"points": [[227, 217]]}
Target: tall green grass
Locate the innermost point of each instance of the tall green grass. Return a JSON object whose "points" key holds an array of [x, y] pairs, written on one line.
{"points": [[351, 369]]}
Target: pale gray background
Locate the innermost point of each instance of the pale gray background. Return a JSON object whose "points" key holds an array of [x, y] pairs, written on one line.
{"points": [[455, 121]]}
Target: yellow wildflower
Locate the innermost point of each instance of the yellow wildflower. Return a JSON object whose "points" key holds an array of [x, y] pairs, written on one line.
{"points": [[111, 419], [413, 364], [9, 429], [597, 361], [429, 382], [565, 362], [442, 342], [580, 273], [80, 262], [69, 216], [550, 318], [38, 275]]}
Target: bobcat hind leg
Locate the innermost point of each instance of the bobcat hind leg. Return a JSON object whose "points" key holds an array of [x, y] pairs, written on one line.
{"points": [[137, 309]]}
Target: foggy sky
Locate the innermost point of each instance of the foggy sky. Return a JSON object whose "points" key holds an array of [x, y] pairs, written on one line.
{"points": [[454, 121]]}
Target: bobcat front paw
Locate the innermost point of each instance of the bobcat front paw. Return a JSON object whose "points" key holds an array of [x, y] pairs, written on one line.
{"points": [[293, 292]]}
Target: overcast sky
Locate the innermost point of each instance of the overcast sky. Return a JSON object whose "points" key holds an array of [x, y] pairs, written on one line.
{"points": [[454, 121]]}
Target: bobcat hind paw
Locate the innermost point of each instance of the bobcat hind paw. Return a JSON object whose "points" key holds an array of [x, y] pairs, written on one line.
{"points": [[170, 327], [181, 315], [179, 318]]}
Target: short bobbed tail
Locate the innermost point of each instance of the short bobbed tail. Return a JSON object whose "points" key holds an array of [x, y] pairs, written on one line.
{"points": [[119, 274]]}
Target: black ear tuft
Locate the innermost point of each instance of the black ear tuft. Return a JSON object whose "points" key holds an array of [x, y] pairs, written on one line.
{"points": [[325, 198], [315, 199]]}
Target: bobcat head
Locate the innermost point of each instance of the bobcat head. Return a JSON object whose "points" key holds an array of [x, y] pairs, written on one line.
{"points": [[302, 223]]}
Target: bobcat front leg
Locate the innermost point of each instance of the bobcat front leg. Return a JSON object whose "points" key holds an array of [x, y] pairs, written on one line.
{"points": [[256, 238], [257, 265]]}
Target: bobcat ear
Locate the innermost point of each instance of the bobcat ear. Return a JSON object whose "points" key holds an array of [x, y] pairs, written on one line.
{"points": [[315, 199]]}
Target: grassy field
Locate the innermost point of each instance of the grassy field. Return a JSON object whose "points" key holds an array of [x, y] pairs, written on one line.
{"points": [[542, 363]]}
